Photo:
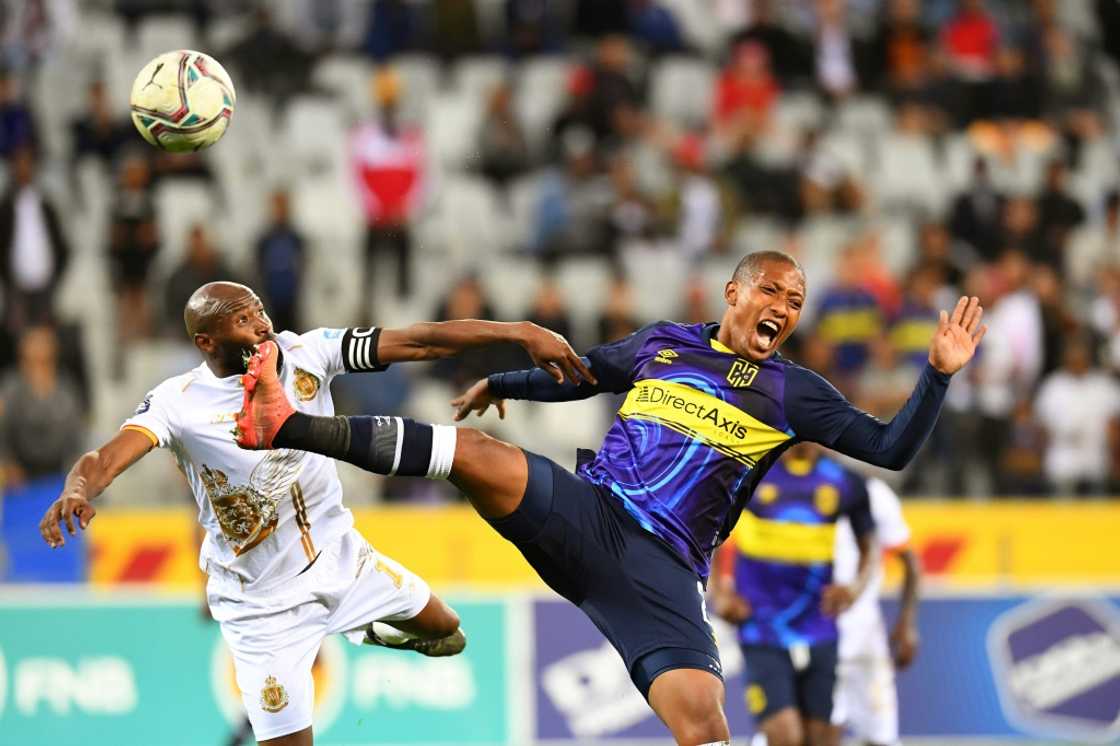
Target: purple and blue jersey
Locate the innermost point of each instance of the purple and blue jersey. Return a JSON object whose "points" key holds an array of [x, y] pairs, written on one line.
{"points": [[784, 548], [700, 426]]}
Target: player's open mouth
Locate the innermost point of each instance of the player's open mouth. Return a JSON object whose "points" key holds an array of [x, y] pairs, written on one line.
{"points": [[767, 332]]}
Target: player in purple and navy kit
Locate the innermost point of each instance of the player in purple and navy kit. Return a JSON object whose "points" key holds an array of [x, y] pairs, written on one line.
{"points": [[629, 537], [775, 583]]}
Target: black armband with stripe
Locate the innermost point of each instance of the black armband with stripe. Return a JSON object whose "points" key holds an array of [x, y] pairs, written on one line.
{"points": [[359, 350]]}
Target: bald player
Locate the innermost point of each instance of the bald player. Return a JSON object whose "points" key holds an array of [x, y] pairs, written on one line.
{"points": [[286, 566]]}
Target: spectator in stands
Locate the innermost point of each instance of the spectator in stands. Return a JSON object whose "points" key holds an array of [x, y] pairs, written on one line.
{"points": [[976, 213], [1058, 321], [1021, 231], [618, 317], [938, 248], [203, 263], [826, 182], [655, 27], [394, 26], [848, 315], [599, 18], [616, 89], [17, 128], [569, 213], [746, 92], [1073, 93], [41, 417], [695, 306], [1012, 360], [34, 251], [280, 264], [453, 29], [630, 214], [697, 202], [268, 61], [1078, 405], [549, 308], [32, 31], [916, 322], [133, 244], [834, 51], [1021, 462], [503, 151], [534, 27], [1095, 248], [388, 159], [790, 55], [98, 131], [1058, 213], [970, 42], [898, 56], [887, 380]]}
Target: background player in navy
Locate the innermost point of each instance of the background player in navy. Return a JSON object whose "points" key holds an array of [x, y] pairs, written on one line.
{"points": [[777, 587], [709, 408]]}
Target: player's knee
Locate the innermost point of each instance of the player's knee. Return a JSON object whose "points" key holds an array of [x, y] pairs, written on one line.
{"points": [[699, 717], [448, 624]]}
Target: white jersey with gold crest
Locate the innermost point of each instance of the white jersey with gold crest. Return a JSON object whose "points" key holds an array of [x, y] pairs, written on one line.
{"points": [[266, 513]]}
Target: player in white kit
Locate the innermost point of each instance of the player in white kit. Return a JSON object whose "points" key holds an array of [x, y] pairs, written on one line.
{"points": [[865, 702], [286, 566]]}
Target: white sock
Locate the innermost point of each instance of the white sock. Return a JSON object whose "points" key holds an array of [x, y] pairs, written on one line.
{"points": [[443, 451]]}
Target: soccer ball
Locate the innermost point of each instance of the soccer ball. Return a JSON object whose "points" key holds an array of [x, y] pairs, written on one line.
{"points": [[182, 101]]}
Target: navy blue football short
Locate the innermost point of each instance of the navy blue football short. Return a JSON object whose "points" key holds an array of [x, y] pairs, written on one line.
{"points": [[774, 682], [644, 598]]}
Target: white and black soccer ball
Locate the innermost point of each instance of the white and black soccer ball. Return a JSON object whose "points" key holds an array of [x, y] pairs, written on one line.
{"points": [[182, 101]]}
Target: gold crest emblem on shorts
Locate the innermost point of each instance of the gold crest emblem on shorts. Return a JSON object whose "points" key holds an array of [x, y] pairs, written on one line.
{"points": [[306, 385], [273, 696]]}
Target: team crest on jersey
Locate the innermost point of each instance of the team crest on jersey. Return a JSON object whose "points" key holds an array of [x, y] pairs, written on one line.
{"points": [[306, 385], [742, 374], [666, 356], [144, 406], [274, 698], [826, 499], [246, 515]]}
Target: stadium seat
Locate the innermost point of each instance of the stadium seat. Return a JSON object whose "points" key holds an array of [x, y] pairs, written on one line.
{"points": [[451, 127], [699, 23], [315, 135], [584, 282], [473, 231], [179, 205], [478, 76], [420, 81], [348, 78], [157, 34], [681, 90], [866, 115], [909, 175], [510, 285], [798, 111], [658, 277], [541, 93]]}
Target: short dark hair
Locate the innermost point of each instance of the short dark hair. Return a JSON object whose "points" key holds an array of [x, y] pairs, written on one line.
{"points": [[750, 265]]}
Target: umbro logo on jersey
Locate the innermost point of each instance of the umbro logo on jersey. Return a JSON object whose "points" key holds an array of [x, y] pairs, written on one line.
{"points": [[666, 356]]}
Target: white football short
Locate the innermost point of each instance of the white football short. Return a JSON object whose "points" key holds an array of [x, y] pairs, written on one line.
{"points": [[865, 701], [274, 633]]}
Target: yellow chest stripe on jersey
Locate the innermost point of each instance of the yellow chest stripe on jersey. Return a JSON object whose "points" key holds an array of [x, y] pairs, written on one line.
{"points": [[784, 541], [701, 416]]}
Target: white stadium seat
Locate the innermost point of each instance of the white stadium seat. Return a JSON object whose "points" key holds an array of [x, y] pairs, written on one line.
{"points": [[681, 90]]}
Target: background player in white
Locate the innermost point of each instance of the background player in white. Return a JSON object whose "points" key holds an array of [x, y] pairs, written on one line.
{"points": [[865, 702], [285, 565]]}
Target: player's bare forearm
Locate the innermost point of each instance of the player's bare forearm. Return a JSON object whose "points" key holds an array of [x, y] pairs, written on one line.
{"points": [[438, 339], [96, 470], [866, 544]]}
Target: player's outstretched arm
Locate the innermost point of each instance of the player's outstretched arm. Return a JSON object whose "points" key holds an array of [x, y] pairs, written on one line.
{"points": [[904, 635], [818, 412], [88, 478], [611, 368], [438, 339]]}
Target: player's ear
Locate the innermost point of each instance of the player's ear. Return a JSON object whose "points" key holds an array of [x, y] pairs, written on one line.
{"points": [[731, 292], [204, 342]]}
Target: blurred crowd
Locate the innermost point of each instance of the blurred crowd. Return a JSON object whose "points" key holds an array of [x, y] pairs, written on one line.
{"points": [[905, 151]]}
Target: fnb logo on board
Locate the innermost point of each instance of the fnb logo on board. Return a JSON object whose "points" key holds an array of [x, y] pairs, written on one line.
{"points": [[1057, 668]]}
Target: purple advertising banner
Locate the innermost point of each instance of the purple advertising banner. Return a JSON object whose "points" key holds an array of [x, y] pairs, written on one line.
{"points": [[584, 691]]}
